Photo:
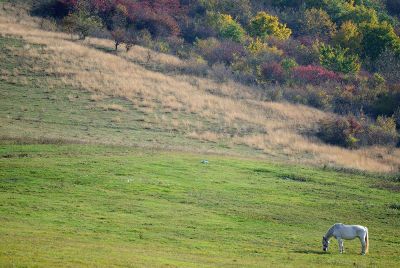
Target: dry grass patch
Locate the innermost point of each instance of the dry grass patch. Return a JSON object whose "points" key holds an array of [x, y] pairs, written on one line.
{"points": [[206, 136], [97, 97], [112, 107]]}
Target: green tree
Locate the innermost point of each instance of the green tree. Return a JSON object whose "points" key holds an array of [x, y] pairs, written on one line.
{"points": [[335, 8], [338, 59], [226, 26], [263, 25], [376, 38], [349, 36], [360, 14], [316, 22], [81, 22]]}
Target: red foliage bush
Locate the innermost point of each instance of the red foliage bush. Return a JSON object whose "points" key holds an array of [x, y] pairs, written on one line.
{"points": [[273, 72], [314, 74]]}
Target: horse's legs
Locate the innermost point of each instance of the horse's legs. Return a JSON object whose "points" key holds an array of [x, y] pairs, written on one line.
{"points": [[363, 245], [340, 242]]}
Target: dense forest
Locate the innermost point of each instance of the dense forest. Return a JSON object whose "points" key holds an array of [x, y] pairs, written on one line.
{"points": [[341, 56]]}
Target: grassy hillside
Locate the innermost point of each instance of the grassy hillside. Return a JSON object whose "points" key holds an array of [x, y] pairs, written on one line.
{"points": [[58, 89], [85, 205], [100, 165]]}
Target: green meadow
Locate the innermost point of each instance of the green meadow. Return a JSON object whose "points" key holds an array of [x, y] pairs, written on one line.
{"points": [[87, 205]]}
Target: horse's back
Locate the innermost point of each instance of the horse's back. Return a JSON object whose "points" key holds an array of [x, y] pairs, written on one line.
{"points": [[350, 231]]}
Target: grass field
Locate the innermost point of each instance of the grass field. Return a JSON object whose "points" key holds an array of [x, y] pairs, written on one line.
{"points": [[100, 166], [82, 205]]}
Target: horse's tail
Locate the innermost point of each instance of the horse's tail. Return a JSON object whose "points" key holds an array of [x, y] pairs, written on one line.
{"points": [[366, 240]]}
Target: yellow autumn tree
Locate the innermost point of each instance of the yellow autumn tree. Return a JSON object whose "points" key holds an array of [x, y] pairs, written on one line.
{"points": [[263, 25]]}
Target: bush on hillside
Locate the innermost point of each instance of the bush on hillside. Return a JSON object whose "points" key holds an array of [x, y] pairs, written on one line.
{"points": [[350, 132], [340, 131], [272, 72], [219, 52], [383, 132], [338, 59], [314, 75]]}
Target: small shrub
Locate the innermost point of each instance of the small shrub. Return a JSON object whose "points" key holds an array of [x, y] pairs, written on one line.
{"points": [[257, 46], [221, 72], [314, 74], [288, 64], [349, 132], [222, 52], [272, 72], [196, 66], [161, 46], [383, 132], [340, 131], [338, 59], [303, 54]]}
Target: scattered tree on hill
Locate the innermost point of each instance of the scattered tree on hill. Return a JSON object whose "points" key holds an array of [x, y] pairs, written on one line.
{"points": [[81, 22], [118, 36], [263, 25], [131, 38]]}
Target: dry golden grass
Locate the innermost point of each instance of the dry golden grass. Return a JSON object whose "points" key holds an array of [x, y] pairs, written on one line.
{"points": [[97, 97], [219, 110], [206, 136], [112, 107]]}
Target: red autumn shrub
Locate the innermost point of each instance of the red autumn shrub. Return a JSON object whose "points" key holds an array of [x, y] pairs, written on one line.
{"points": [[272, 71], [314, 74]]}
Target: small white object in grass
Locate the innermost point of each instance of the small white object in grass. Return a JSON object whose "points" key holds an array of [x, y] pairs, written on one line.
{"points": [[204, 161]]}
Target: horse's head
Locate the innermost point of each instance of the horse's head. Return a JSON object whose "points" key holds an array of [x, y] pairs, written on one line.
{"points": [[325, 243]]}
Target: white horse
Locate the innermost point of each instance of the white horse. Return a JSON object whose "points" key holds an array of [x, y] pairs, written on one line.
{"points": [[341, 231]]}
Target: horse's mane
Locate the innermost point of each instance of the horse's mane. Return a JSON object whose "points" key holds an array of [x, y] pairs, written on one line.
{"points": [[330, 231]]}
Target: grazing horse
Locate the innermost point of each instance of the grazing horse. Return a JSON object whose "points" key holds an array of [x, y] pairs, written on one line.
{"points": [[341, 231]]}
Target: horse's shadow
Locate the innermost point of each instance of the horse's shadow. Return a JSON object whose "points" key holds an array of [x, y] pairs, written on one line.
{"points": [[310, 251]]}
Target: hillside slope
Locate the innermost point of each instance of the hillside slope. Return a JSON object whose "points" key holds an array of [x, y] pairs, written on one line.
{"points": [[55, 89]]}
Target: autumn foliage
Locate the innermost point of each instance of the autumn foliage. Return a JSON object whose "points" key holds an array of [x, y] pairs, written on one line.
{"points": [[314, 74]]}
